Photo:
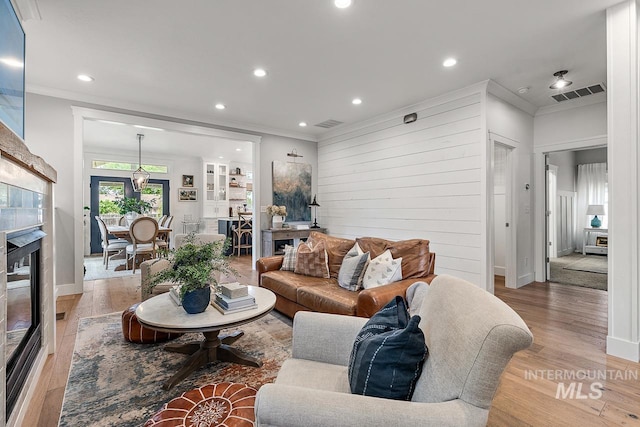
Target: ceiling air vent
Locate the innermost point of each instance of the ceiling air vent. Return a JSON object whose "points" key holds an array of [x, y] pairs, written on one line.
{"points": [[579, 93], [329, 124]]}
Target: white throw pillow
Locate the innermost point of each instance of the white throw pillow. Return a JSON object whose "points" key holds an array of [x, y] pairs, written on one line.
{"points": [[382, 270], [353, 267]]}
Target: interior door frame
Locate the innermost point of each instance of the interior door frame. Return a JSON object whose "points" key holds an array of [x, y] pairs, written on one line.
{"points": [[511, 231], [128, 192]]}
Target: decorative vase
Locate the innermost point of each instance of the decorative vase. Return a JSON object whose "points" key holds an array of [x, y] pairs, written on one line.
{"points": [[129, 217], [277, 221], [196, 301]]}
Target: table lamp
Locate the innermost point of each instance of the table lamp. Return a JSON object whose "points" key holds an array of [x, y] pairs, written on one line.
{"points": [[595, 210], [315, 205]]}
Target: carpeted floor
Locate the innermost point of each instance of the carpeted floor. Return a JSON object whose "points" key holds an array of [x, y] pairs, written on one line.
{"points": [[589, 271], [113, 382]]}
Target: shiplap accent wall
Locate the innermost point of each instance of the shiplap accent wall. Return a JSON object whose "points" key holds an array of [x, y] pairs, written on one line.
{"points": [[402, 181]]}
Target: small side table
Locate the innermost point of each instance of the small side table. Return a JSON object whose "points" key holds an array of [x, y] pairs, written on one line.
{"points": [[594, 249]]}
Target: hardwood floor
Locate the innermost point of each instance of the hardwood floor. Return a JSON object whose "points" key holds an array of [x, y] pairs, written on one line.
{"points": [[569, 325]]}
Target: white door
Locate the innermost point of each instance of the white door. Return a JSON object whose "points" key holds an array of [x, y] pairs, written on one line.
{"points": [[504, 242]]}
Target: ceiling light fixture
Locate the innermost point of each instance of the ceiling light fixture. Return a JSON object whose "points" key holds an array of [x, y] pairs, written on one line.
{"points": [[259, 72], [85, 78], [302, 124], [356, 101], [238, 149], [560, 81], [342, 4], [12, 62], [220, 106], [449, 62], [140, 177], [523, 90]]}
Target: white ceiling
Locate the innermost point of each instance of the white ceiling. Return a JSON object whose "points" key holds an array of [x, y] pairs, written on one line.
{"points": [[100, 136], [180, 58]]}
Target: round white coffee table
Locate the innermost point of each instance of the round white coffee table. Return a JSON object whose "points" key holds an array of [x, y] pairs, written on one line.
{"points": [[162, 314]]}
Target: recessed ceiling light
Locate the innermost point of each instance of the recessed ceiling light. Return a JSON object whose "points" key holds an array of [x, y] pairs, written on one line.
{"points": [[220, 106], [449, 62], [259, 72], [302, 124], [12, 62], [356, 101], [148, 127], [523, 90], [85, 78], [342, 4], [238, 149], [221, 157]]}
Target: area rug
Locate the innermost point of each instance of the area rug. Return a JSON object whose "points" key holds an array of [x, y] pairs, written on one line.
{"points": [[96, 271], [116, 383], [586, 279], [591, 264]]}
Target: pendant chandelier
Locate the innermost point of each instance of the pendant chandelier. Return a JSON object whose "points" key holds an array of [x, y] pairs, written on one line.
{"points": [[140, 177]]}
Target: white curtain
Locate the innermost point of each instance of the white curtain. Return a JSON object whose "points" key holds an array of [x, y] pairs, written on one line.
{"points": [[592, 190]]}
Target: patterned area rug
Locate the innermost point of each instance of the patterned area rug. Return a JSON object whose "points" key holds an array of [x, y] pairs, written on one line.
{"points": [[116, 383], [96, 270]]}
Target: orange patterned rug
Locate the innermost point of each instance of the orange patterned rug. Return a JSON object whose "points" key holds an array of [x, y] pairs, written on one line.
{"points": [[113, 382]]}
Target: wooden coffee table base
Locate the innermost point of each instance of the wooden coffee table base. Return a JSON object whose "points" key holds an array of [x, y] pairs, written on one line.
{"points": [[212, 348]]}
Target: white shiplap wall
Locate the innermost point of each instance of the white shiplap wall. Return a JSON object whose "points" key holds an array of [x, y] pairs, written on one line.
{"points": [[420, 180]]}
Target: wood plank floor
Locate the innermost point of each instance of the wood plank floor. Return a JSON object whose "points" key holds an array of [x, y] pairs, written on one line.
{"points": [[569, 325]]}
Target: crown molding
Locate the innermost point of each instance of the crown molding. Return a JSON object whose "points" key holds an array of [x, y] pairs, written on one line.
{"points": [[135, 109], [510, 97]]}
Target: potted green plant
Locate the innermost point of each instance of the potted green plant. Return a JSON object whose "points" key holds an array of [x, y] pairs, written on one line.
{"points": [[131, 204], [193, 266]]}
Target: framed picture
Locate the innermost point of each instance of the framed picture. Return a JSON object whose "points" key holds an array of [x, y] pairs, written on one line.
{"points": [[187, 195], [187, 180], [602, 241]]}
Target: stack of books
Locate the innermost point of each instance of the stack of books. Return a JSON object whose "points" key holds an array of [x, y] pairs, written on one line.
{"points": [[174, 293], [233, 298]]}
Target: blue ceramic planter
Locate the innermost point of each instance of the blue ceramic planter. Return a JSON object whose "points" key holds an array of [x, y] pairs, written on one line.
{"points": [[196, 301]]}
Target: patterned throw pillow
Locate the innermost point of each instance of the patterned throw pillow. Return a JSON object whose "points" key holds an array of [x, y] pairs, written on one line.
{"points": [[312, 261], [290, 258], [388, 354], [382, 270], [354, 265]]}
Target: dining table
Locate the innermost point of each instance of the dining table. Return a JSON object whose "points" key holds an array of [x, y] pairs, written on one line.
{"points": [[122, 232]]}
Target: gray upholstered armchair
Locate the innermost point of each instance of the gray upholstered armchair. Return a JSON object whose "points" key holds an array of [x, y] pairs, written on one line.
{"points": [[150, 267], [471, 336]]}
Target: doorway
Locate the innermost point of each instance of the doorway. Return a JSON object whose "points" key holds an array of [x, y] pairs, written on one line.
{"points": [[504, 239], [576, 251], [105, 190]]}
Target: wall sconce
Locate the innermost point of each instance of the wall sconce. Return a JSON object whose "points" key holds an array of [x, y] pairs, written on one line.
{"points": [[315, 206]]}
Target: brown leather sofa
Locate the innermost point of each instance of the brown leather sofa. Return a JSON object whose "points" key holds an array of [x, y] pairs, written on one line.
{"points": [[296, 292]]}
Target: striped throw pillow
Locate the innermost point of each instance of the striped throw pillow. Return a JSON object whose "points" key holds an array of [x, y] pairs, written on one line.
{"points": [[354, 265], [388, 354]]}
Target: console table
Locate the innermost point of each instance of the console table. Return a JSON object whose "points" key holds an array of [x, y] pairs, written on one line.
{"points": [[271, 236], [594, 249]]}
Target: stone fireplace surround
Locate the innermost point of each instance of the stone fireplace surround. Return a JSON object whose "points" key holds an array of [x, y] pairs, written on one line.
{"points": [[19, 168]]}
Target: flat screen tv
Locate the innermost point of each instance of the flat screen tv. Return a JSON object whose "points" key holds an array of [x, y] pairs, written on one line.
{"points": [[11, 69]]}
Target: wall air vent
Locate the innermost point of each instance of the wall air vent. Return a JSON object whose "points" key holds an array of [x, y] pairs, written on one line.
{"points": [[579, 93], [329, 124]]}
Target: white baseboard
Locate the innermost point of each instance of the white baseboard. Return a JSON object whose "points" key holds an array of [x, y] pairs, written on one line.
{"points": [[622, 348], [524, 280], [68, 289], [567, 252], [499, 271]]}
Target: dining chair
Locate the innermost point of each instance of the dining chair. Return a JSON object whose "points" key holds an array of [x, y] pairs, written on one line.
{"points": [[143, 232], [109, 245], [162, 220], [122, 221], [163, 240], [242, 233]]}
